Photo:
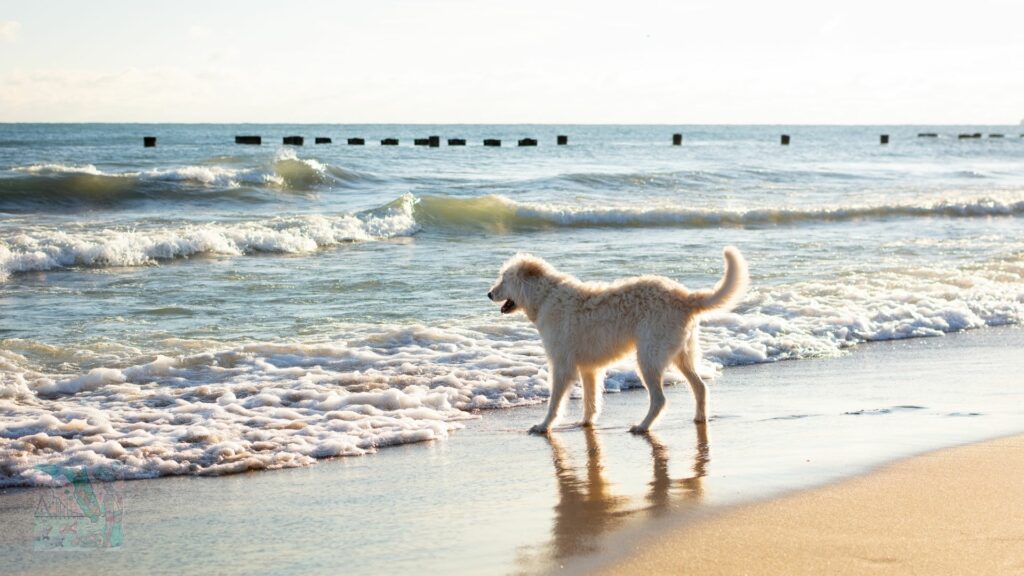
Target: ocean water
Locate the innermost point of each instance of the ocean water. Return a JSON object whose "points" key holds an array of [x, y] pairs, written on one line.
{"points": [[205, 308]]}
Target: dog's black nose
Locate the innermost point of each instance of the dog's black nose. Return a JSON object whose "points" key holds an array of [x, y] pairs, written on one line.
{"points": [[490, 295]]}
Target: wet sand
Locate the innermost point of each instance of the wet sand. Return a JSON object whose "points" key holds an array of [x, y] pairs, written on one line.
{"points": [[955, 511], [494, 500]]}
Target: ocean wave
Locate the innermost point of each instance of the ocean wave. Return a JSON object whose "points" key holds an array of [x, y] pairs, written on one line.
{"points": [[46, 249], [42, 249], [673, 180], [214, 408], [500, 214], [52, 168], [48, 185], [631, 180]]}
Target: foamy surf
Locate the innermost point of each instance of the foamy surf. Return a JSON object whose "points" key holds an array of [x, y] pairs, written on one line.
{"points": [[263, 405], [258, 406]]}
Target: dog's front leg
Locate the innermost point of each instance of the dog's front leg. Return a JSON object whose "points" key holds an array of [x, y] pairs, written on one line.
{"points": [[563, 376], [592, 388]]}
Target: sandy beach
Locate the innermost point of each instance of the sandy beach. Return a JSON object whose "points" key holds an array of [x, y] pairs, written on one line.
{"points": [[954, 511]]}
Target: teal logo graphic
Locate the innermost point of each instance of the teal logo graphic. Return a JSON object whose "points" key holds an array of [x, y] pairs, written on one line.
{"points": [[82, 510]]}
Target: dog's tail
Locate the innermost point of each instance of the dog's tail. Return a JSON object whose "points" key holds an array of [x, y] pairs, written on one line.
{"points": [[732, 285]]}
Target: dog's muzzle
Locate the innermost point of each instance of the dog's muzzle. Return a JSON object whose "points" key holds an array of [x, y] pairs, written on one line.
{"points": [[508, 307]]}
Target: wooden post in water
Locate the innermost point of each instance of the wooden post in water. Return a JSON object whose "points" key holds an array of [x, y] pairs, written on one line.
{"points": [[434, 141], [563, 140], [456, 141], [149, 141], [677, 139], [254, 140], [785, 140], [492, 142], [527, 142], [420, 141], [883, 139], [322, 140], [293, 140], [356, 142], [389, 142]]}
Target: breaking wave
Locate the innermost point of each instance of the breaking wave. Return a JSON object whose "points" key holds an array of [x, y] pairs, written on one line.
{"points": [[497, 213], [44, 186], [30, 250], [46, 249]]}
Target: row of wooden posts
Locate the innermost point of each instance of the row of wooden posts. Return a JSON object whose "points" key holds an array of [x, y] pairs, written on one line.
{"points": [[562, 140], [431, 141], [677, 139]]}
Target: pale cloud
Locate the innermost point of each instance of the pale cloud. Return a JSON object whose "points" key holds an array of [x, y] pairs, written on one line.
{"points": [[199, 31], [139, 95], [9, 30]]}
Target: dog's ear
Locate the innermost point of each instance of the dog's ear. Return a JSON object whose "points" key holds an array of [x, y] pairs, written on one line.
{"points": [[530, 269]]}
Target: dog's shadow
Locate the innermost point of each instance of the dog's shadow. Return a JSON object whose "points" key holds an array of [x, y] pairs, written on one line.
{"points": [[588, 506]]}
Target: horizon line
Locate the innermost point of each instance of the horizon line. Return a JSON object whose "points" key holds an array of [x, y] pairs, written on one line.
{"points": [[714, 124]]}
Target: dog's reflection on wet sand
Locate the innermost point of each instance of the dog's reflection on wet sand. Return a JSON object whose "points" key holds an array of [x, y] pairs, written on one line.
{"points": [[588, 506]]}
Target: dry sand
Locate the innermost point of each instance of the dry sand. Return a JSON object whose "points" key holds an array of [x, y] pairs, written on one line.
{"points": [[955, 511]]}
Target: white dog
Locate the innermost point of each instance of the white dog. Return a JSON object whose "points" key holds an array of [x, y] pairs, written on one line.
{"points": [[586, 326]]}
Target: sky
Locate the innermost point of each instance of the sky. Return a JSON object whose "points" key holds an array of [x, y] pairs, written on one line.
{"points": [[521, 61]]}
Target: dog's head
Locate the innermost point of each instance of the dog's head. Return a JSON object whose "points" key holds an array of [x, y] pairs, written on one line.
{"points": [[518, 283]]}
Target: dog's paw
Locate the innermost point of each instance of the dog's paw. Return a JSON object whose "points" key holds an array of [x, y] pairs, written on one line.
{"points": [[587, 424], [538, 429], [700, 419], [638, 429]]}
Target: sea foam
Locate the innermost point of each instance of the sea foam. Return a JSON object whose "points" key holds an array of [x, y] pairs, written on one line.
{"points": [[231, 408]]}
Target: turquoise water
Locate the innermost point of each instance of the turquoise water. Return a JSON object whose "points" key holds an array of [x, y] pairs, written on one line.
{"points": [[203, 307]]}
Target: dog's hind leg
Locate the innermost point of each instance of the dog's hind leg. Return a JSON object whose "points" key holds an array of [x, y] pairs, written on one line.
{"points": [[686, 361], [592, 393], [563, 376], [652, 372]]}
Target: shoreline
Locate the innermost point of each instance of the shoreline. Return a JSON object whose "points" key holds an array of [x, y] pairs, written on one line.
{"points": [[953, 510], [495, 500]]}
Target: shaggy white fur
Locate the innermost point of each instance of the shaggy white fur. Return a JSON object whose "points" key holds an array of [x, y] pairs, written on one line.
{"points": [[586, 326]]}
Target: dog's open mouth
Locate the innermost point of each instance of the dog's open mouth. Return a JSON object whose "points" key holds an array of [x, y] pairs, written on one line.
{"points": [[508, 307]]}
